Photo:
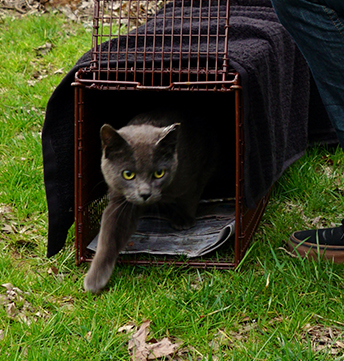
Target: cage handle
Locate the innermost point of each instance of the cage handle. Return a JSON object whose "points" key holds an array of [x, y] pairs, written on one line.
{"points": [[154, 87]]}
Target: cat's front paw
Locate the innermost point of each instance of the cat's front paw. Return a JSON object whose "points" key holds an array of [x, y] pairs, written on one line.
{"points": [[95, 281]]}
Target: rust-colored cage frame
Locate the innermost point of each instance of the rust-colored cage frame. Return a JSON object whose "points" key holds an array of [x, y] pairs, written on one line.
{"points": [[174, 71]]}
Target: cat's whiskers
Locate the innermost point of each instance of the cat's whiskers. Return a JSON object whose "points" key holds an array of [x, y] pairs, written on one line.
{"points": [[125, 204], [121, 206]]}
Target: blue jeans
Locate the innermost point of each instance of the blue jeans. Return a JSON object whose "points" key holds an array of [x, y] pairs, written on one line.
{"points": [[317, 26]]}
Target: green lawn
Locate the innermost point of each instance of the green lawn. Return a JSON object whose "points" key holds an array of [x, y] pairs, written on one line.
{"points": [[275, 307]]}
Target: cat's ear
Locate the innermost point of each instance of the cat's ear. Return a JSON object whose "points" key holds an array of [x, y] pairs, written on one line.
{"points": [[169, 135], [112, 141]]}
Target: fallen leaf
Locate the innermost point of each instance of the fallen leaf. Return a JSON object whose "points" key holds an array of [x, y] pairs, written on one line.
{"points": [[43, 49], [7, 228], [17, 307], [2, 334], [126, 328], [324, 338], [25, 229], [315, 220], [137, 344], [5, 210], [8, 286], [31, 82], [161, 348], [36, 74], [59, 71], [142, 351], [53, 270], [88, 336], [11, 309], [3, 299]]}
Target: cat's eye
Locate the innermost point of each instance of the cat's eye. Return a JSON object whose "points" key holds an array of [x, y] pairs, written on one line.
{"points": [[128, 175], [159, 173]]}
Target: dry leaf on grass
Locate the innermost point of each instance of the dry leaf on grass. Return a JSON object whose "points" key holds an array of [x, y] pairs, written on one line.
{"points": [[126, 328], [43, 49], [53, 270], [23, 231], [142, 351], [5, 210], [8, 228], [324, 338], [17, 307]]}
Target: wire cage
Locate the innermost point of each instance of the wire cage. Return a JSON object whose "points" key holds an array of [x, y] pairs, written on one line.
{"points": [[171, 51]]}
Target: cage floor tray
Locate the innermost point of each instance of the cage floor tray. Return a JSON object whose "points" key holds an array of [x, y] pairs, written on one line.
{"points": [[215, 225]]}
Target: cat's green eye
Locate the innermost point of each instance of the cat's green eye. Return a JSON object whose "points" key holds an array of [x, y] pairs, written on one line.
{"points": [[128, 175], [159, 173]]}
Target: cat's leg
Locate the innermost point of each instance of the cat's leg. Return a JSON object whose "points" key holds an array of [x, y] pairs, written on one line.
{"points": [[119, 222]]}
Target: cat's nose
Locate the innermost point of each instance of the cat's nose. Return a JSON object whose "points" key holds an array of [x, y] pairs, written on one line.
{"points": [[145, 196]]}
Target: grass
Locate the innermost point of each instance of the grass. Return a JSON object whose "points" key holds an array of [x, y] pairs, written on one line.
{"points": [[266, 311]]}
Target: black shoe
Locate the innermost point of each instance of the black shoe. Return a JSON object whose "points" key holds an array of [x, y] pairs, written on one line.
{"points": [[327, 242]]}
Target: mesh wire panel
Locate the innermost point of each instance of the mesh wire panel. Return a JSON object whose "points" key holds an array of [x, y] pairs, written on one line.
{"points": [[162, 44]]}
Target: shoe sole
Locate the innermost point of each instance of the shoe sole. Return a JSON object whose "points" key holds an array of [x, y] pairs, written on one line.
{"points": [[305, 249]]}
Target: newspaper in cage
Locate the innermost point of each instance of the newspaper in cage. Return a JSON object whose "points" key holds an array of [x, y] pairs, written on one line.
{"points": [[215, 224]]}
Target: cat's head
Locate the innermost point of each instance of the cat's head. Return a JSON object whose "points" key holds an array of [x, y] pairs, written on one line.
{"points": [[139, 161]]}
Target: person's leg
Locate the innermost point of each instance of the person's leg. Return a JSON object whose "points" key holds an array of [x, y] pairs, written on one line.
{"points": [[317, 26]]}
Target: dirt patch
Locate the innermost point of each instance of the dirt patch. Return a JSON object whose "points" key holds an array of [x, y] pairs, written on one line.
{"points": [[75, 10], [324, 339]]}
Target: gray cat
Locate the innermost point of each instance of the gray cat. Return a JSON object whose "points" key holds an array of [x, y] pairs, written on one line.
{"points": [[162, 158]]}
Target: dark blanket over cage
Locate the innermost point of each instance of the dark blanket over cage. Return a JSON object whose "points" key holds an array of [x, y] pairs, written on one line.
{"points": [[275, 81]]}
